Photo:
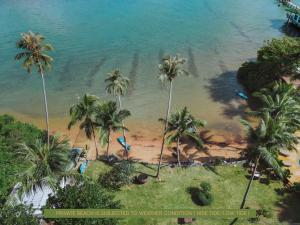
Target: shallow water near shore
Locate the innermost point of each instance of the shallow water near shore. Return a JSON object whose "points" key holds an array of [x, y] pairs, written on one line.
{"points": [[92, 37]]}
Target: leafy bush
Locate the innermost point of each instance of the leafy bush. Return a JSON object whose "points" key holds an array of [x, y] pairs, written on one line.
{"points": [[120, 175], [19, 215], [82, 196], [205, 186], [15, 132], [204, 198], [277, 58]]}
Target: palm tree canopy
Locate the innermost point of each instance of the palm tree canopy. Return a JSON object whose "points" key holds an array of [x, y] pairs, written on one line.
{"points": [[271, 133], [109, 118], [182, 123], [46, 165], [117, 83], [84, 112], [281, 101], [34, 52], [268, 138], [171, 67]]}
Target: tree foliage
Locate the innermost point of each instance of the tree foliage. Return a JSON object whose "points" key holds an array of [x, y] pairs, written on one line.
{"points": [[119, 176], [34, 52], [45, 165], [277, 58], [11, 133], [83, 196], [109, 119], [117, 83], [17, 215]]}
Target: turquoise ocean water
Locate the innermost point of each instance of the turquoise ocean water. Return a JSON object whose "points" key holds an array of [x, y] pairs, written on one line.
{"points": [[91, 37]]}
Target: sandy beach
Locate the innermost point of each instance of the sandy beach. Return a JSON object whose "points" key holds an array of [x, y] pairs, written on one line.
{"points": [[146, 143]]}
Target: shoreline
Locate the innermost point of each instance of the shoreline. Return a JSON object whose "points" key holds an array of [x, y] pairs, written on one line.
{"points": [[146, 141]]}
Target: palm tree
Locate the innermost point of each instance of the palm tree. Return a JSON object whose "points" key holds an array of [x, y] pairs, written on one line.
{"points": [[183, 124], [267, 138], [170, 68], [46, 164], [85, 111], [117, 85], [280, 101], [109, 119], [35, 55]]}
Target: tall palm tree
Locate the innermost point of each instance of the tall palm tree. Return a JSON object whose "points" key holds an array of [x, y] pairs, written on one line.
{"points": [[34, 52], [85, 112], [109, 119], [267, 138], [117, 84], [170, 68], [46, 164], [183, 124]]}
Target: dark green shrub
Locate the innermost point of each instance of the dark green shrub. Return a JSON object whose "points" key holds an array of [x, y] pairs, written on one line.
{"points": [[119, 176], [205, 186], [19, 215], [83, 196], [277, 58], [204, 198]]}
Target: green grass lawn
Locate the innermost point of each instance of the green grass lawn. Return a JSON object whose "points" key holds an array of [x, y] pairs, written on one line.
{"points": [[228, 186]]}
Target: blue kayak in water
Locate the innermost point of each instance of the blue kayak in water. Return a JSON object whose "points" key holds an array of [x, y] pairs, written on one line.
{"points": [[241, 94], [83, 166], [122, 142]]}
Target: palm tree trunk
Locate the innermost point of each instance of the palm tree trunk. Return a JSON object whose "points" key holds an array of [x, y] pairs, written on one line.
{"points": [[178, 152], [94, 136], [250, 182], [78, 133], [108, 142], [46, 105], [248, 189], [123, 130], [165, 129]]}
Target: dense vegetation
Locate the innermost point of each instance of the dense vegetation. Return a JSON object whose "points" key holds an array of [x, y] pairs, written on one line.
{"points": [[17, 215], [83, 196], [277, 58], [13, 132]]}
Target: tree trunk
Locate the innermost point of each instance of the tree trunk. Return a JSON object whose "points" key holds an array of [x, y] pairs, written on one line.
{"points": [[108, 142], [165, 129], [248, 188], [46, 106], [94, 136], [123, 130], [178, 152], [250, 182]]}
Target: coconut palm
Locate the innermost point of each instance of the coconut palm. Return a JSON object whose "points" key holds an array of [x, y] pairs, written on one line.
{"points": [[183, 124], [109, 119], [85, 111], [34, 52], [281, 101], [46, 164], [117, 85], [170, 68], [267, 139]]}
